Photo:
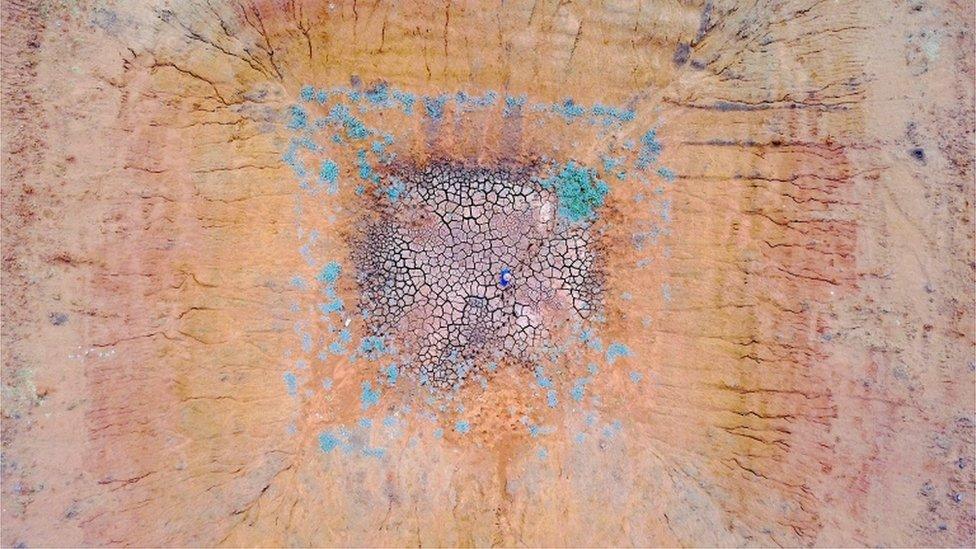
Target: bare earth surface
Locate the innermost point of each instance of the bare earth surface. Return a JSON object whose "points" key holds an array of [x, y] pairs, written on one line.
{"points": [[523, 273]]}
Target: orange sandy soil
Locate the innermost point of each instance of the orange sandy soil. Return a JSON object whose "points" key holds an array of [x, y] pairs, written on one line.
{"points": [[809, 379]]}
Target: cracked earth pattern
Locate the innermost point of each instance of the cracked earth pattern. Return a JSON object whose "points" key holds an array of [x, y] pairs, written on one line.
{"points": [[469, 266]]}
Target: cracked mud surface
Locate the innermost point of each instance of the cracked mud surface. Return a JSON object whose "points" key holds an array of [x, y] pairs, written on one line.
{"points": [[468, 266]]}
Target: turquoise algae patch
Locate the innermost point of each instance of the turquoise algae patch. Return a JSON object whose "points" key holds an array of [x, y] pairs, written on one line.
{"points": [[579, 190], [329, 176], [615, 351]]}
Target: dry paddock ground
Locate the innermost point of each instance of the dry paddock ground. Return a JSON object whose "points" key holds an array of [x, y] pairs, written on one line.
{"points": [[779, 213]]}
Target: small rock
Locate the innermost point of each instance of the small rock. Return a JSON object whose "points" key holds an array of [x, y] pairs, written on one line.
{"points": [[681, 54]]}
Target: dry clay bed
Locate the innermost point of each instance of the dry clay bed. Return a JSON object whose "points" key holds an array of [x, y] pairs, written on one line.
{"points": [[536, 273]]}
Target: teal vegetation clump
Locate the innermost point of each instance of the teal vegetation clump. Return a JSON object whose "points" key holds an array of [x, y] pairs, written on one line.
{"points": [[579, 190]]}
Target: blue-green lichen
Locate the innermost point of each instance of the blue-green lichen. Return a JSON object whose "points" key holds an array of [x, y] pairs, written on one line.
{"points": [[579, 190]]}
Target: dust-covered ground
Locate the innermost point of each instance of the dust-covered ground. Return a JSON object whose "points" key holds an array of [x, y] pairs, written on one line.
{"points": [[526, 273]]}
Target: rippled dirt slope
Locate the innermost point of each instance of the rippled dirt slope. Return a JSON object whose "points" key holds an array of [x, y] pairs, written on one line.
{"points": [[523, 273]]}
